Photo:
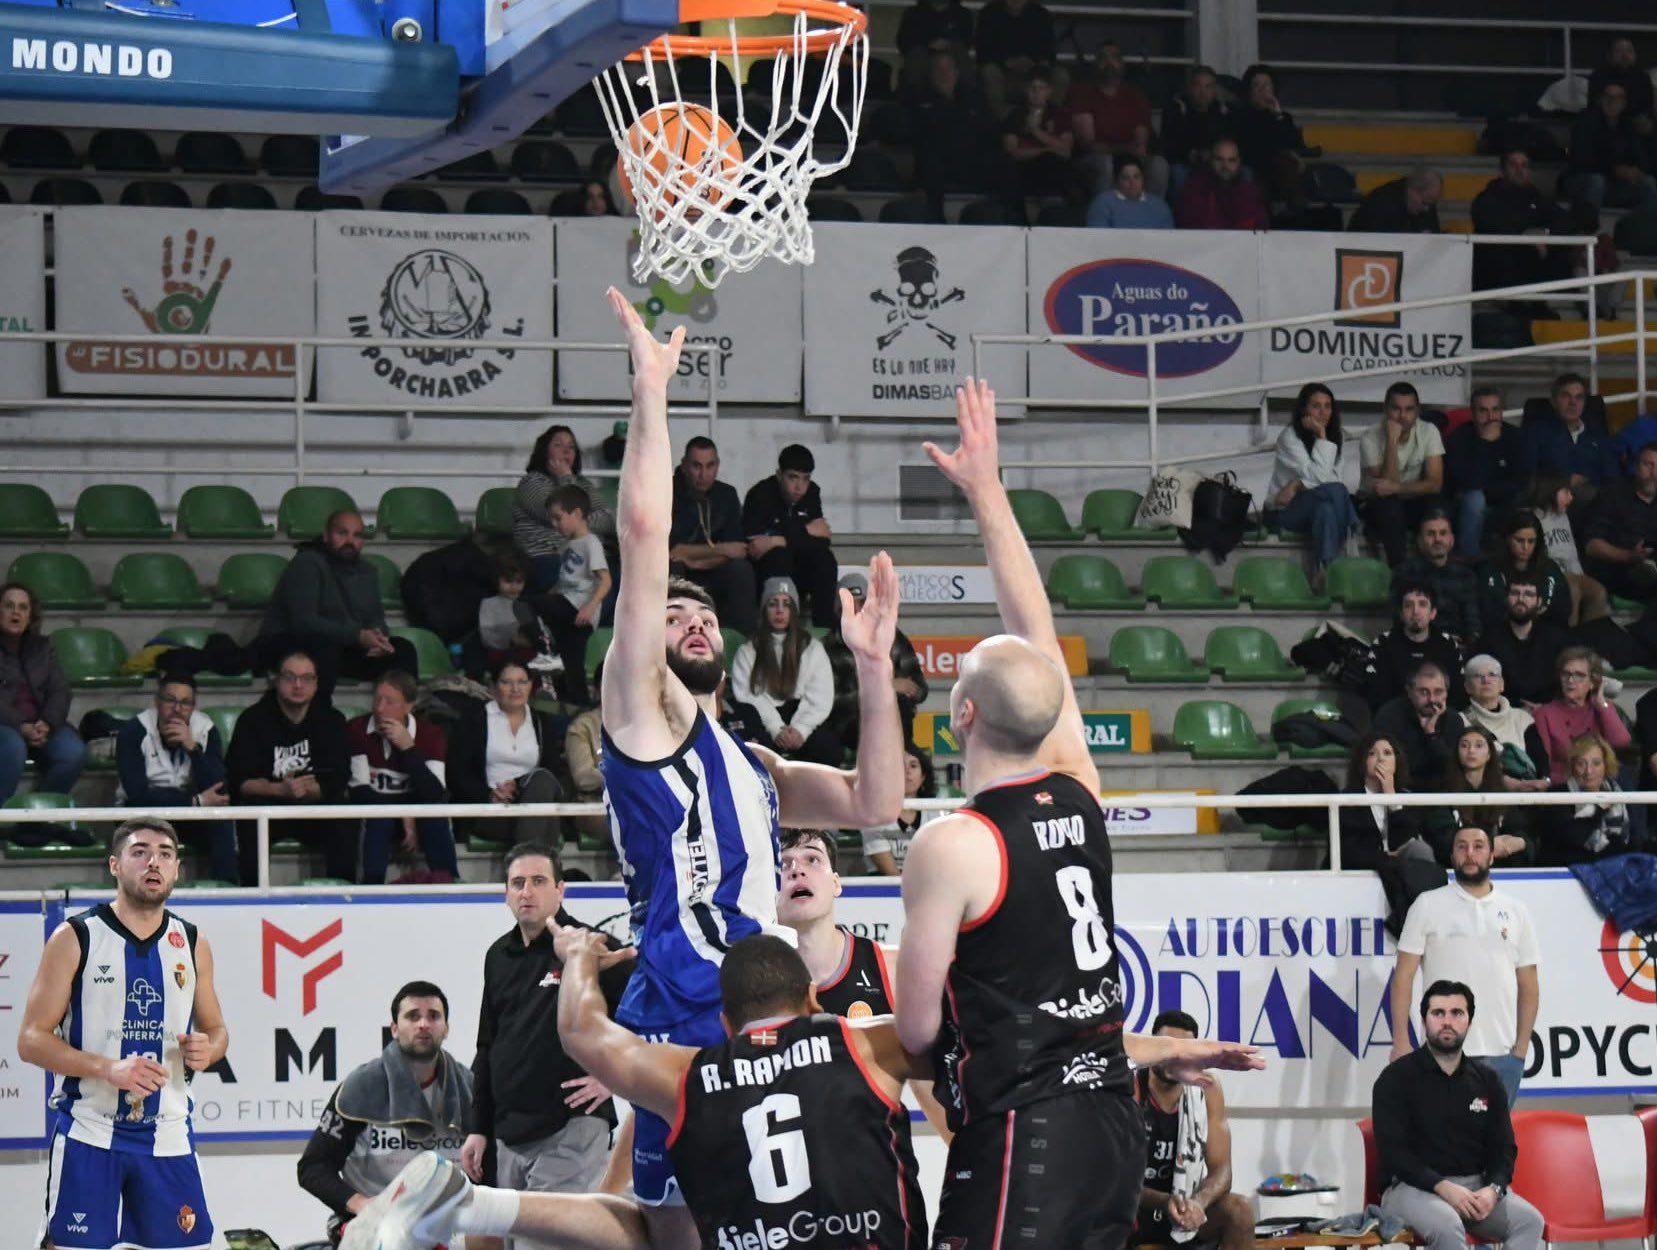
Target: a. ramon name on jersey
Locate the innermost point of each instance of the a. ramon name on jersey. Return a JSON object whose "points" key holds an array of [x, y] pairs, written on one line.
{"points": [[1088, 1003], [764, 1069]]}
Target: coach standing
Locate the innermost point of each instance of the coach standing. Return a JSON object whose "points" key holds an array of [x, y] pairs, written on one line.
{"points": [[550, 1121]]}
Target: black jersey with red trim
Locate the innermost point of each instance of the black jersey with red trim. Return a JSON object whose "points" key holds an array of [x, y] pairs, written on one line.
{"points": [[783, 1139], [862, 988], [1033, 1001]]}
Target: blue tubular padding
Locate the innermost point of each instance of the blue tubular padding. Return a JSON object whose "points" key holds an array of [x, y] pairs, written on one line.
{"points": [[69, 67]]}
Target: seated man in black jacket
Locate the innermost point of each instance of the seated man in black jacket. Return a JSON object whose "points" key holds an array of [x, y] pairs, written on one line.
{"points": [[1414, 637], [787, 535], [1526, 643], [1421, 722], [1514, 204], [706, 542], [1622, 535]]}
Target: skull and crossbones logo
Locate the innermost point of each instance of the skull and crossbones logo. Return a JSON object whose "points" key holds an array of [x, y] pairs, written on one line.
{"points": [[915, 298]]}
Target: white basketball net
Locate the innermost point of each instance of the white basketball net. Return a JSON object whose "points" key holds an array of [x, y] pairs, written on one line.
{"points": [[718, 213]]}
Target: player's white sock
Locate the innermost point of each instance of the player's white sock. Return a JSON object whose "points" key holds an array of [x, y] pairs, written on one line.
{"points": [[488, 1212]]}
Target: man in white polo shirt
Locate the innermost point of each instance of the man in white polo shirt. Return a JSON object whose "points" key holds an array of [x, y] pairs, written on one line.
{"points": [[1471, 932]]}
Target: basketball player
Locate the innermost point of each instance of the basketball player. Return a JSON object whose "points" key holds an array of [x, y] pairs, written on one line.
{"points": [[1007, 952], [693, 811], [121, 1006], [787, 1132], [848, 972]]}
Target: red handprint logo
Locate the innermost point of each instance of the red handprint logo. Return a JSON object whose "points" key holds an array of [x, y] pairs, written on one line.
{"points": [[184, 307]]}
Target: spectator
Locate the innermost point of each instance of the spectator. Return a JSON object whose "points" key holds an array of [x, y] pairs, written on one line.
{"points": [[327, 604], [171, 755], [1581, 708], [952, 131], [549, 1121], [415, 1097], [1513, 728], [1523, 556], [1191, 123], [442, 588], [1307, 491], [1622, 535], [507, 627], [929, 26], [1413, 637], [1187, 1196], [781, 685], [34, 701], [1128, 205], [505, 751], [1469, 931], [1421, 722], [1218, 197], [1445, 1138], [1477, 769], [1525, 643], [1015, 38], [1589, 831], [1111, 118], [787, 535], [554, 461], [885, 847], [1550, 498], [1622, 67], [1485, 465], [1455, 586], [398, 758], [288, 749], [707, 543], [1270, 142], [1403, 470], [1645, 732], [1611, 161], [1377, 765], [1568, 445], [1407, 205], [908, 679], [583, 742], [1513, 204], [1038, 150], [577, 598]]}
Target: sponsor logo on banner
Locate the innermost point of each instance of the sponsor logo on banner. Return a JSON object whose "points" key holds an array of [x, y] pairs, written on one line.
{"points": [[698, 303], [1107, 733], [1126, 296], [1128, 820], [945, 583], [915, 334], [1630, 961], [941, 654], [272, 937], [101, 60], [1365, 279]]}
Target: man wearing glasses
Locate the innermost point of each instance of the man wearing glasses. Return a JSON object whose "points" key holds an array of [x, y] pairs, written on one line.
{"points": [[289, 750]]}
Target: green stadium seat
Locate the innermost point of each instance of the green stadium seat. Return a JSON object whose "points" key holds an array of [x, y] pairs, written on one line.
{"points": [[733, 639], [1623, 604], [1248, 653], [1041, 516], [1086, 583], [418, 512], [97, 761], [391, 579], [593, 842], [151, 581], [352, 710], [92, 657], [117, 510], [27, 511], [304, 510], [57, 580], [248, 578], [196, 636], [1275, 582], [221, 512], [597, 647], [494, 514], [207, 883], [1109, 513], [47, 800], [606, 493], [1183, 583], [433, 657], [1359, 582], [1212, 729], [329, 881], [1324, 707], [224, 720], [1152, 653]]}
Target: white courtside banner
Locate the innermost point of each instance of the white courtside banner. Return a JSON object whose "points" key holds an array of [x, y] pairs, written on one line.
{"points": [[1132, 282], [164, 272], [438, 282], [22, 1086], [945, 583], [23, 301], [753, 319], [1301, 274], [890, 312]]}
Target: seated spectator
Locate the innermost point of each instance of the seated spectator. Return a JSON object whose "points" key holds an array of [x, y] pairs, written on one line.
{"points": [[1270, 142], [1581, 708], [1521, 754], [953, 132], [1111, 118], [1421, 721], [1445, 1137], [34, 701], [1513, 204], [707, 544], [1526, 643], [1407, 205], [171, 755], [398, 758], [1191, 123], [1413, 637], [782, 688], [1036, 147], [1645, 733], [1377, 765], [1485, 465], [327, 604], [1622, 534], [1622, 66], [288, 749], [1569, 446], [787, 535], [1455, 585], [583, 741], [1550, 498], [1218, 197], [1307, 492], [1582, 834], [1403, 470], [1187, 1197], [505, 751], [885, 847], [577, 597], [554, 461], [1014, 39], [1522, 555], [413, 1098], [1477, 769], [507, 627], [929, 26], [1128, 205], [908, 679], [443, 587], [1611, 161]]}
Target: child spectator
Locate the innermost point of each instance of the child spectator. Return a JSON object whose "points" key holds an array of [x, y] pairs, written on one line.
{"points": [[583, 580]]}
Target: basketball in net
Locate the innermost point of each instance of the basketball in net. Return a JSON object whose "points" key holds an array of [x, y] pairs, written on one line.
{"points": [[684, 152]]}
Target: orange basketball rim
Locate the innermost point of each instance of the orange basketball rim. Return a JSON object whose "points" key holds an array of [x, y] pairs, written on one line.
{"points": [[839, 21]]}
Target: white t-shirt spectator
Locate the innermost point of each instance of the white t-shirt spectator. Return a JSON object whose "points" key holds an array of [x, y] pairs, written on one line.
{"points": [[1560, 540], [813, 687], [579, 569], [893, 840], [1413, 452], [508, 754]]}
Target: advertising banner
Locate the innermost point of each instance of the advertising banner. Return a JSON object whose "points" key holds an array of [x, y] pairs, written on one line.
{"points": [[1133, 282], [945, 583], [941, 654], [166, 271], [752, 318], [890, 311], [439, 282], [1301, 274], [22, 1086], [23, 301], [1107, 732]]}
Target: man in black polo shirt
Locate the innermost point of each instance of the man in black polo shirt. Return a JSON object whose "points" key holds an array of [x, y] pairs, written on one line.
{"points": [[706, 542], [1622, 536], [1445, 1138], [550, 1122]]}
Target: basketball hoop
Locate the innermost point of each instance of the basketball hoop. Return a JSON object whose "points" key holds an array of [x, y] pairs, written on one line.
{"points": [[719, 187]]}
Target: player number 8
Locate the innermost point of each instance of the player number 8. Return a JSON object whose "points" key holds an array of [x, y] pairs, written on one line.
{"points": [[1089, 935], [777, 1163]]}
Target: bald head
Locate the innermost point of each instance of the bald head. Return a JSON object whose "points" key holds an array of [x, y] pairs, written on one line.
{"points": [[1016, 694]]}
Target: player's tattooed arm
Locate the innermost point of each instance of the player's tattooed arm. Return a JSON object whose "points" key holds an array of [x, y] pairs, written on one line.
{"points": [[39, 1043]]}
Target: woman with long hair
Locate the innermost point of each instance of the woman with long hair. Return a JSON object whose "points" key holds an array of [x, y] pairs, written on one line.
{"points": [[1550, 497], [782, 685], [554, 462], [1523, 553], [886, 846], [34, 701], [1477, 769], [1376, 765], [1306, 491]]}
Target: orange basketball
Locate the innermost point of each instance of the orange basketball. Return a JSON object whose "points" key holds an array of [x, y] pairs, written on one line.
{"points": [[681, 147]]}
